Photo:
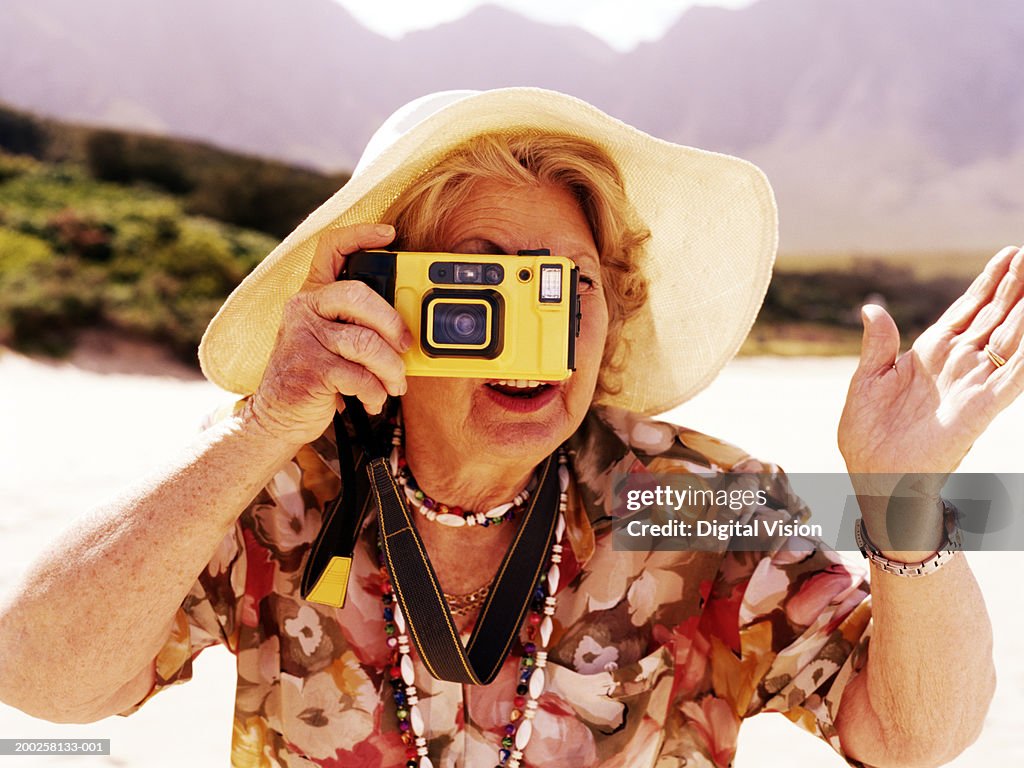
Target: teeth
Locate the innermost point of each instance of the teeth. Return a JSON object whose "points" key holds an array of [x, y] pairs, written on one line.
{"points": [[519, 383]]}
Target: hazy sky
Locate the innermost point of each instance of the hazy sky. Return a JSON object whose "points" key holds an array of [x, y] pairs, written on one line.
{"points": [[622, 23]]}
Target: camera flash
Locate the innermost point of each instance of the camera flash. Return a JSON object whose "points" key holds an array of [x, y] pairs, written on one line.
{"points": [[551, 282]]}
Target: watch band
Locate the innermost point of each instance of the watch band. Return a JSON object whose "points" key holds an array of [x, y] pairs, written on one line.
{"points": [[951, 544]]}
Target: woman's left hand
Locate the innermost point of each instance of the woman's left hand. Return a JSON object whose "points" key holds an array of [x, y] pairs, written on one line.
{"points": [[921, 411]]}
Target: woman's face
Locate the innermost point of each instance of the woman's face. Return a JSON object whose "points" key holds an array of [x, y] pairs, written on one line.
{"points": [[479, 419]]}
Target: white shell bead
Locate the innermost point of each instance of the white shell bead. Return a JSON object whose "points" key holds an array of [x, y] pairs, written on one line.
{"points": [[499, 511], [416, 720], [554, 574], [453, 521], [563, 478], [400, 619], [523, 734], [561, 528], [536, 683], [425, 762], [408, 673], [545, 630]]}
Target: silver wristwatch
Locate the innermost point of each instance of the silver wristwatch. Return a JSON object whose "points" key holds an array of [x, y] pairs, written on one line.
{"points": [[951, 544]]}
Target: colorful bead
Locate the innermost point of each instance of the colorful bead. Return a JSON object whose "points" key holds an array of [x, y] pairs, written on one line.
{"points": [[519, 728], [437, 511]]}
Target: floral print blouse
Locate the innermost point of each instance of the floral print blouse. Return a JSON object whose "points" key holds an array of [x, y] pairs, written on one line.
{"points": [[655, 659]]}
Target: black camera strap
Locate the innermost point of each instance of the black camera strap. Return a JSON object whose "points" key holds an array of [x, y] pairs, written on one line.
{"points": [[416, 587], [325, 577]]}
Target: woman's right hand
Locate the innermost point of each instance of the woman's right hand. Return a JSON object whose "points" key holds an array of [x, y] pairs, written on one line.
{"points": [[336, 338]]}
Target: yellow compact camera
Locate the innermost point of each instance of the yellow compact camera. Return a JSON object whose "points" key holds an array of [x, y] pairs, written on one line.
{"points": [[480, 316]]}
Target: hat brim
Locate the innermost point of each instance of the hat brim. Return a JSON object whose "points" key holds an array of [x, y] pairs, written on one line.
{"points": [[712, 219]]}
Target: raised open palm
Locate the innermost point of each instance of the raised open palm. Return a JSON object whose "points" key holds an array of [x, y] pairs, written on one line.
{"points": [[921, 411]]}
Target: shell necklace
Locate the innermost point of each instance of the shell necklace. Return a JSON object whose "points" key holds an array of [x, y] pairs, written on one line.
{"points": [[533, 657], [454, 517]]}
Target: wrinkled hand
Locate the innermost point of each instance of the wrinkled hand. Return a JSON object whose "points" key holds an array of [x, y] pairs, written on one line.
{"points": [[922, 411], [336, 338]]}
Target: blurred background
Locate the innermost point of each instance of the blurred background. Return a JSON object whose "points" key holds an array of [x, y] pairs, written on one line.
{"points": [[152, 153]]}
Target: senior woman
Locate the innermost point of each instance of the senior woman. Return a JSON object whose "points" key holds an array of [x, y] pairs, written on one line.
{"points": [[623, 658]]}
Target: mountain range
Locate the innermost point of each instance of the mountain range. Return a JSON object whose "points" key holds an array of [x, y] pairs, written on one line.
{"points": [[883, 124]]}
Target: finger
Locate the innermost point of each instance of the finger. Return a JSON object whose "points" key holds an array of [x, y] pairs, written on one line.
{"points": [[348, 378], [881, 343], [1006, 295], [335, 244], [964, 309], [1006, 338], [365, 347], [351, 301]]}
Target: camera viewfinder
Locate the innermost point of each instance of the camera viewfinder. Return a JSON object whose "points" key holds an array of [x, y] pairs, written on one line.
{"points": [[468, 273]]}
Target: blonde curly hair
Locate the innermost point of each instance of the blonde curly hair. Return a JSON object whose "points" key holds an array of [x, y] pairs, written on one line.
{"points": [[419, 214]]}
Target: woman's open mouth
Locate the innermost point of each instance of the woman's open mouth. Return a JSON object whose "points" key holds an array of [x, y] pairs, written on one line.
{"points": [[521, 395], [519, 387]]}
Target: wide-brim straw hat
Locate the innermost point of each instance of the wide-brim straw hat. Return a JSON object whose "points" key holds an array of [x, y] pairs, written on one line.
{"points": [[708, 262]]}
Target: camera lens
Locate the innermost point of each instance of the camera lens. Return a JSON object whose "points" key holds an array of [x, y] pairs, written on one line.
{"points": [[493, 274], [464, 324], [460, 325]]}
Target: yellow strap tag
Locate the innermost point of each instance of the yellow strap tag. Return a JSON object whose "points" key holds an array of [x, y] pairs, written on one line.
{"points": [[332, 586]]}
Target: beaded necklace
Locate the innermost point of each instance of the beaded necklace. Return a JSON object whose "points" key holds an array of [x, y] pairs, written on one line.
{"points": [[539, 625], [454, 517]]}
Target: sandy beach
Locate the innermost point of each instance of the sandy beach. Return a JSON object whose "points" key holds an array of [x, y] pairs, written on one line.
{"points": [[75, 432]]}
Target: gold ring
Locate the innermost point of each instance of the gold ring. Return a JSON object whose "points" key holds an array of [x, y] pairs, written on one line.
{"points": [[997, 360]]}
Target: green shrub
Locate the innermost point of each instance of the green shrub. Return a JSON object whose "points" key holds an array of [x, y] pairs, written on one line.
{"points": [[45, 298], [21, 133], [77, 253], [834, 296]]}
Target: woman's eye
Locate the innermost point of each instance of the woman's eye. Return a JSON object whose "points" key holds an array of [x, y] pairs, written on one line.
{"points": [[587, 284]]}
